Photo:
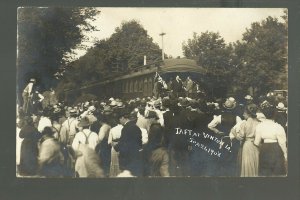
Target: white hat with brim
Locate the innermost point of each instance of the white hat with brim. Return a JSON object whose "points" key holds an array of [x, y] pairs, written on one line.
{"points": [[281, 106], [230, 103], [248, 97]]}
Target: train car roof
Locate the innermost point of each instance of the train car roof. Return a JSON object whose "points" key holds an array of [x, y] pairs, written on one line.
{"points": [[180, 65], [162, 67]]}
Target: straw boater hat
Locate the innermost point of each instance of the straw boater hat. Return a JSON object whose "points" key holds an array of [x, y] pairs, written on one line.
{"points": [[120, 105], [92, 108], [84, 122], [113, 103], [281, 106], [248, 97], [230, 103]]}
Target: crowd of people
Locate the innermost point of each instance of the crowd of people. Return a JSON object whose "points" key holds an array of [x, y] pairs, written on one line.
{"points": [[163, 135]]}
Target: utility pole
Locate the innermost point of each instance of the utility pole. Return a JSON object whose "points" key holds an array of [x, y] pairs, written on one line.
{"points": [[162, 45]]}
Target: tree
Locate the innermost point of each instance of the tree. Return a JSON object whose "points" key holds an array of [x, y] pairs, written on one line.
{"points": [[129, 44], [118, 54], [213, 55], [46, 36], [263, 57]]}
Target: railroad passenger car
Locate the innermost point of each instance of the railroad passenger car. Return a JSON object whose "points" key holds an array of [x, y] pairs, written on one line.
{"points": [[139, 81]]}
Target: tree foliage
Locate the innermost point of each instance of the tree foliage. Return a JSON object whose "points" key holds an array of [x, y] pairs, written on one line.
{"points": [[213, 55], [46, 36], [262, 56], [123, 50]]}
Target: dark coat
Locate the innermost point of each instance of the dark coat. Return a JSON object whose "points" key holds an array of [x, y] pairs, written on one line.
{"points": [[29, 150], [156, 161], [129, 147], [177, 87]]}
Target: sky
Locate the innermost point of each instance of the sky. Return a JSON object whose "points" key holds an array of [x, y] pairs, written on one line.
{"points": [[179, 24]]}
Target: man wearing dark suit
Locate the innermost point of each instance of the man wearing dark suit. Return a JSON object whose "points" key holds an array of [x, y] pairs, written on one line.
{"points": [[130, 145], [177, 87]]}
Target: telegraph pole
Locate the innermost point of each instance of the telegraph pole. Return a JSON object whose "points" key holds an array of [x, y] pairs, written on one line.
{"points": [[162, 45]]}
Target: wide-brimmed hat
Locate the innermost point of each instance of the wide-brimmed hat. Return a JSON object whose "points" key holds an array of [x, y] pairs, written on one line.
{"points": [[230, 103], [32, 80], [120, 105], [86, 104], [265, 104], [248, 97], [92, 108], [84, 122], [72, 111], [281, 106], [113, 103]]}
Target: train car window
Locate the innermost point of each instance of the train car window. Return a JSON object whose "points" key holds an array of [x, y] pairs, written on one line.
{"points": [[126, 86], [141, 85], [145, 87], [131, 86], [136, 86], [123, 86], [150, 86]]}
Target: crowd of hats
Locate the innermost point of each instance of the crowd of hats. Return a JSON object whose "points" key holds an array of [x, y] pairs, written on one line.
{"points": [[123, 107]]}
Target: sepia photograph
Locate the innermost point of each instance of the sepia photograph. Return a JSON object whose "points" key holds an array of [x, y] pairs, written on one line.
{"points": [[112, 92]]}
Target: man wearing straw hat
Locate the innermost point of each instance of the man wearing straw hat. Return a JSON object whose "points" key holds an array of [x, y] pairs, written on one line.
{"points": [[221, 125]]}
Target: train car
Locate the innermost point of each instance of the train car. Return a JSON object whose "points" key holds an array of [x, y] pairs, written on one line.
{"points": [[139, 81]]}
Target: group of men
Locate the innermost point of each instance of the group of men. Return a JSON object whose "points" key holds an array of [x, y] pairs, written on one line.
{"points": [[177, 87]]}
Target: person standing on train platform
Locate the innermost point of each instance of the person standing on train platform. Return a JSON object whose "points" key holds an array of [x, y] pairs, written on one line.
{"points": [[27, 94], [158, 87], [36, 101], [177, 87], [189, 87]]}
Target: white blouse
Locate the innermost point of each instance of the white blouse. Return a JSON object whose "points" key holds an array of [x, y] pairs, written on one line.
{"points": [[269, 131]]}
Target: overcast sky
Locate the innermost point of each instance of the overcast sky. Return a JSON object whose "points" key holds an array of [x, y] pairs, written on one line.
{"points": [[180, 23]]}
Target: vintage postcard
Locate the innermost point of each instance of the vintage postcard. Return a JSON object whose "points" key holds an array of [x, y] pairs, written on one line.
{"points": [[151, 92]]}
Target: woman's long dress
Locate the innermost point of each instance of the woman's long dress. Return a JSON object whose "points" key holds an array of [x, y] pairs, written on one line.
{"points": [[249, 152], [273, 150]]}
